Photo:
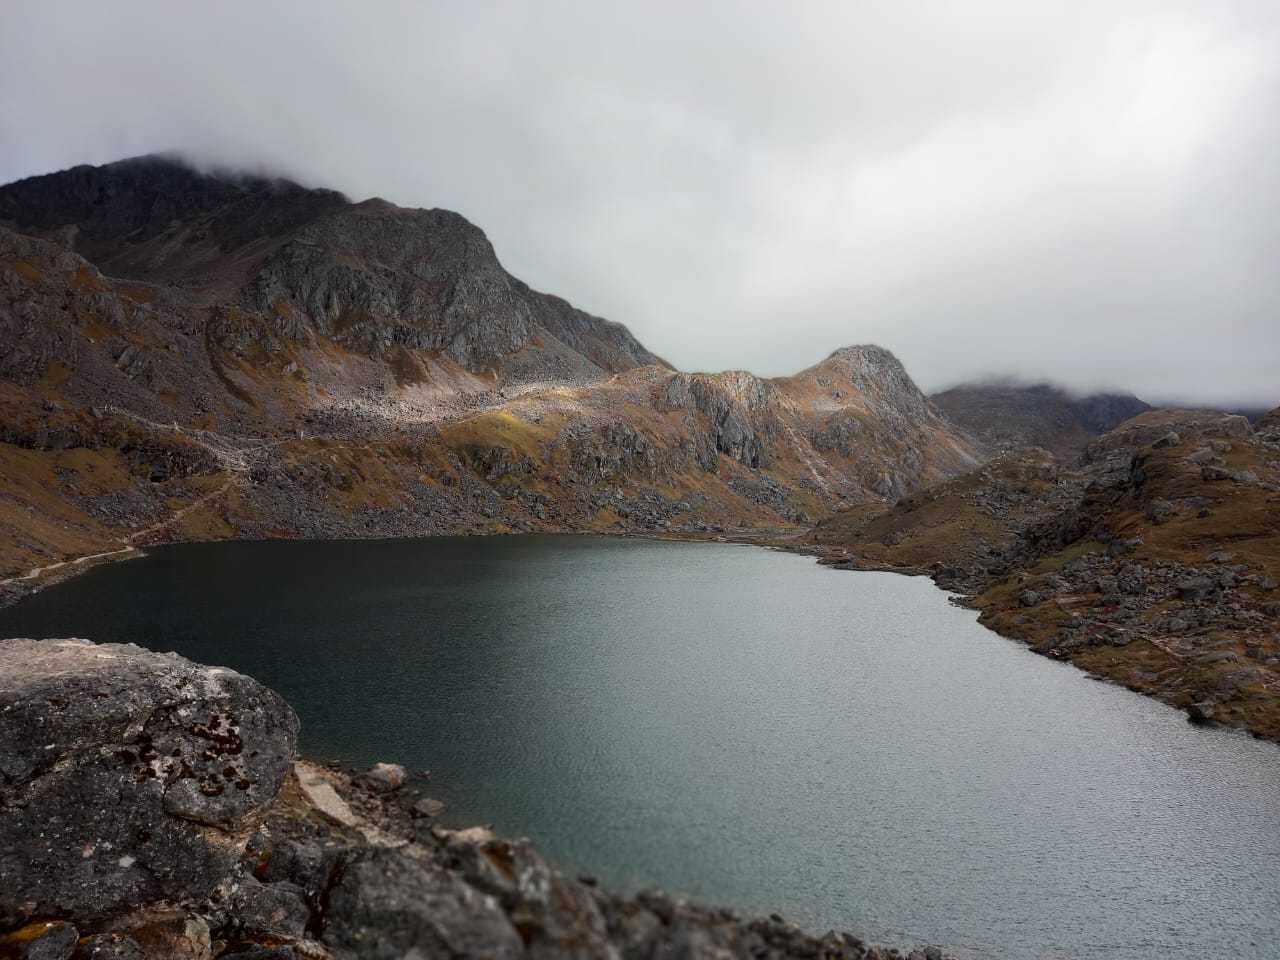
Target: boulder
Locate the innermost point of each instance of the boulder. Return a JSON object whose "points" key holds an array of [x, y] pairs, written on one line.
{"points": [[384, 777], [427, 807], [127, 777], [1202, 713], [308, 864], [40, 941], [391, 904], [264, 910], [1194, 588]]}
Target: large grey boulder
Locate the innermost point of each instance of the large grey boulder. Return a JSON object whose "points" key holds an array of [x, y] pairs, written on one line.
{"points": [[389, 904], [127, 777]]}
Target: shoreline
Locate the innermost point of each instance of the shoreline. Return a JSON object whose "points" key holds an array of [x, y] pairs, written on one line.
{"points": [[835, 558]]}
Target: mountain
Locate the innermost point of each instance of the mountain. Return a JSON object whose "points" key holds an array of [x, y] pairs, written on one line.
{"points": [[192, 355], [1011, 416], [286, 263], [1153, 562]]}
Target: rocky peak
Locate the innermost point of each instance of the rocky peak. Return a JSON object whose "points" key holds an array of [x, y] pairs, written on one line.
{"points": [[301, 263], [868, 378], [117, 214]]}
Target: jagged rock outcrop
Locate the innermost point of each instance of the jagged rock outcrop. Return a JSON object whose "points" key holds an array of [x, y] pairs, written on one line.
{"points": [[738, 404], [127, 777], [98, 751]]}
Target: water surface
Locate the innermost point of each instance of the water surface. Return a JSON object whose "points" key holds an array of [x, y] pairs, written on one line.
{"points": [[743, 726]]}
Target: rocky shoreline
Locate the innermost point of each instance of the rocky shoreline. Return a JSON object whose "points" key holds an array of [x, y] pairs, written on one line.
{"points": [[155, 808], [1154, 563]]}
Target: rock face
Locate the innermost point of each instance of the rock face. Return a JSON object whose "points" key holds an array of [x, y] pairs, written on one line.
{"points": [[129, 777], [99, 749], [372, 276]]}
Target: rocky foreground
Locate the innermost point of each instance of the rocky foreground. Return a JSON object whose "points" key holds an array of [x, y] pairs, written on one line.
{"points": [[151, 807]]}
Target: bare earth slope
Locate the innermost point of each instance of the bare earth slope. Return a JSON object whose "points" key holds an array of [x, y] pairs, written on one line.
{"points": [[1153, 564], [189, 356]]}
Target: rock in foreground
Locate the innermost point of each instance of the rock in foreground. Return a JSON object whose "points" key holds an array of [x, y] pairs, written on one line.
{"points": [[129, 777]]}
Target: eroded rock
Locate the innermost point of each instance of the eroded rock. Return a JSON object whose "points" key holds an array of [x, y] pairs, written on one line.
{"points": [[391, 904], [128, 777]]}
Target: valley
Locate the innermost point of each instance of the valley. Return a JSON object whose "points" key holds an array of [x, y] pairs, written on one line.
{"points": [[203, 356]]}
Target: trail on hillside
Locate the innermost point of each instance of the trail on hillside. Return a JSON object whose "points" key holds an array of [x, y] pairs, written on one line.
{"points": [[127, 543]]}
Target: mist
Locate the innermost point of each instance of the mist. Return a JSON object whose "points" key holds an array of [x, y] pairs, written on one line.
{"points": [[1087, 193]]}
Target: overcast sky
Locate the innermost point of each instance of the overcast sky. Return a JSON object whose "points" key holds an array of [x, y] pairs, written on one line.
{"points": [[1088, 192]]}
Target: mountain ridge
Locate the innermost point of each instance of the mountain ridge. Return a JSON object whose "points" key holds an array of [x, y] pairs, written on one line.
{"points": [[252, 358], [1010, 414]]}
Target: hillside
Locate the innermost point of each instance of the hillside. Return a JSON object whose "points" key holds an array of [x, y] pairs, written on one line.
{"points": [[1153, 564], [191, 356], [1013, 416]]}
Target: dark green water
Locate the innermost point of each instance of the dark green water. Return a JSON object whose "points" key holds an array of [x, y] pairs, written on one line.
{"points": [[743, 726]]}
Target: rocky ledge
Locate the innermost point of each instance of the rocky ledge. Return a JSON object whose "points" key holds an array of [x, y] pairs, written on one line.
{"points": [[152, 808]]}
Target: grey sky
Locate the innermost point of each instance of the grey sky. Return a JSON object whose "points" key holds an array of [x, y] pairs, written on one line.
{"points": [[1088, 192]]}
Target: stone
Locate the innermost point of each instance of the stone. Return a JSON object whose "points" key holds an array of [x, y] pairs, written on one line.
{"points": [[1213, 473], [127, 777], [1201, 713], [167, 934], [1119, 548], [1170, 439], [1194, 588], [320, 794], [384, 777], [305, 863], [1029, 598], [427, 807], [391, 904], [108, 946], [269, 909], [40, 941]]}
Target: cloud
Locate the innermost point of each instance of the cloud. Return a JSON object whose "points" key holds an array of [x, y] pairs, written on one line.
{"points": [[1088, 192]]}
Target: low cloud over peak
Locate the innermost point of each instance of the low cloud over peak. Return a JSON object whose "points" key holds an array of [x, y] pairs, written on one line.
{"points": [[1083, 192]]}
